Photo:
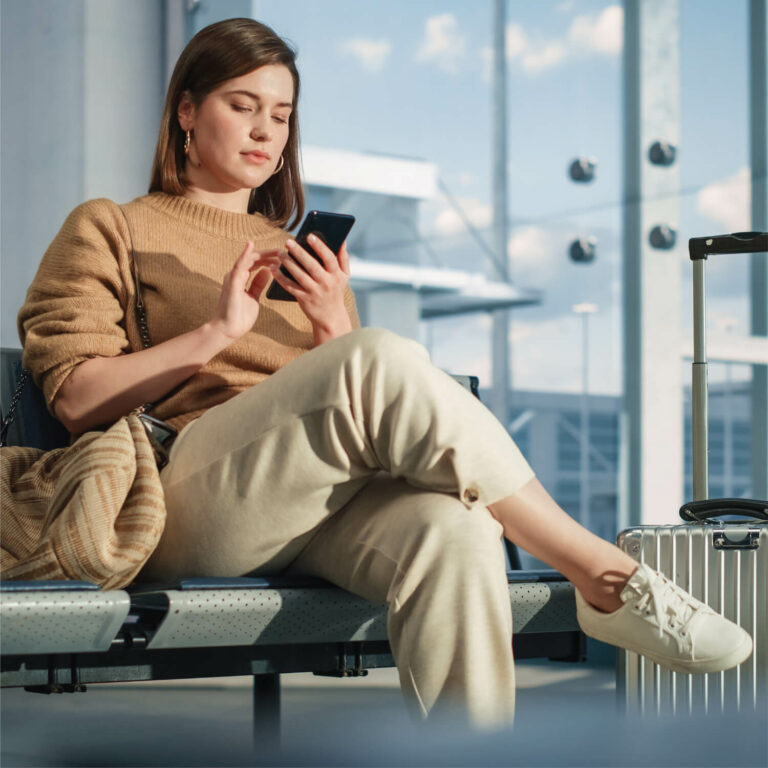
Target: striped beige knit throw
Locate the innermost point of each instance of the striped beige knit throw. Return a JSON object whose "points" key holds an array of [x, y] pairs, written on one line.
{"points": [[93, 511]]}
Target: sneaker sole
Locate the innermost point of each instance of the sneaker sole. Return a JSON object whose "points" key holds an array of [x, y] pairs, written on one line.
{"points": [[694, 667]]}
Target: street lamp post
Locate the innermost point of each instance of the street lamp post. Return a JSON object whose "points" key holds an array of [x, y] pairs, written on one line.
{"points": [[585, 309]]}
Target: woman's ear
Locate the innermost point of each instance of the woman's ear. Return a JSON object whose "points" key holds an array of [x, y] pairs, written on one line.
{"points": [[186, 112]]}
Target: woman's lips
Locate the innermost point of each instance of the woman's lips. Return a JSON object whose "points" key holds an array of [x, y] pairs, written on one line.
{"points": [[258, 158]]}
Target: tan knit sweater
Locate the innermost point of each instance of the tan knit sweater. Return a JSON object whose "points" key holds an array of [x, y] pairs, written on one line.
{"points": [[81, 303]]}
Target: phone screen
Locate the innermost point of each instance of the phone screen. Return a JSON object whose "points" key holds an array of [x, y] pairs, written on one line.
{"points": [[331, 228]]}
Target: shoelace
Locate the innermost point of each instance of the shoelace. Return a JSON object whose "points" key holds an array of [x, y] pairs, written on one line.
{"points": [[662, 595]]}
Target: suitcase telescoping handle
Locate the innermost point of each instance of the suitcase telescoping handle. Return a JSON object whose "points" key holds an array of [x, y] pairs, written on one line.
{"points": [[737, 242], [699, 248]]}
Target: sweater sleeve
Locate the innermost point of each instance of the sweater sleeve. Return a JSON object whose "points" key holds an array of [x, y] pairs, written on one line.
{"points": [[74, 309]]}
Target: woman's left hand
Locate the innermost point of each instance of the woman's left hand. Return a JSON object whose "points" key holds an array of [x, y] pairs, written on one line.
{"points": [[320, 286]]}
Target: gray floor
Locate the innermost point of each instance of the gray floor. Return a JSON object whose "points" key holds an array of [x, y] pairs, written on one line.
{"points": [[566, 715]]}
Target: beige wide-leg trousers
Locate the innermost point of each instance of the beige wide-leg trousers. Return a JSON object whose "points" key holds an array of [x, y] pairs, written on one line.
{"points": [[362, 463]]}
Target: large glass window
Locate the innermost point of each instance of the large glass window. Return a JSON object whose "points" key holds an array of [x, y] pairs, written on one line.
{"points": [[729, 427], [413, 80], [715, 179]]}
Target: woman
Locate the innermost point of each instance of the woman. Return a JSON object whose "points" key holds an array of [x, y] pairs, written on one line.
{"points": [[308, 444]]}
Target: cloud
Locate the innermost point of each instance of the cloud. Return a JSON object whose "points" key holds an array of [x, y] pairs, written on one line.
{"points": [[533, 254], [519, 332], [532, 56], [728, 202], [544, 57], [448, 222], [601, 34], [372, 54], [516, 41], [443, 44]]}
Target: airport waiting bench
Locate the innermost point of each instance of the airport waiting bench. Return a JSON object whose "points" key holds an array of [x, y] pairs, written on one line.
{"points": [[60, 636]]}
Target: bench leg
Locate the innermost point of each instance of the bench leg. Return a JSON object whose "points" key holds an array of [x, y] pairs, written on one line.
{"points": [[266, 710]]}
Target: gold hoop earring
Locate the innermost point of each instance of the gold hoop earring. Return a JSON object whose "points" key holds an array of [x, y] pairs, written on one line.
{"points": [[187, 143], [279, 166]]}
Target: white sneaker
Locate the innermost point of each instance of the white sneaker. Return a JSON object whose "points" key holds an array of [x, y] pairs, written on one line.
{"points": [[663, 622]]}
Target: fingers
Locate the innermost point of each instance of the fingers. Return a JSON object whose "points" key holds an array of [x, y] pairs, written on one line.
{"points": [[305, 259], [258, 284], [264, 259], [251, 259], [286, 282], [344, 259], [248, 262], [259, 271], [245, 259], [327, 256], [249, 274], [301, 265], [322, 253]]}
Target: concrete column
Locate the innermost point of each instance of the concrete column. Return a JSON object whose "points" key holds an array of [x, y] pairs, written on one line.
{"points": [[201, 13], [652, 278], [124, 63], [41, 175], [758, 135], [175, 34], [82, 92]]}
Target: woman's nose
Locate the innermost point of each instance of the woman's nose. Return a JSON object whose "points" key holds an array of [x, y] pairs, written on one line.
{"points": [[261, 129]]}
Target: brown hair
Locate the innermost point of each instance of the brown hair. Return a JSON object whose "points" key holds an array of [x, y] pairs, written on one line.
{"points": [[217, 53]]}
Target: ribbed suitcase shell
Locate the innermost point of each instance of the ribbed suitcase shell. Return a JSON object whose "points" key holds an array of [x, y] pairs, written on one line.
{"points": [[734, 582]]}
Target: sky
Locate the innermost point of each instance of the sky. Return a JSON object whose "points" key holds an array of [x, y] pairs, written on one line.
{"points": [[412, 78]]}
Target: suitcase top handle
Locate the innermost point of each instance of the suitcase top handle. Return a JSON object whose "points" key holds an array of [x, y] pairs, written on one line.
{"points": [[737, 242], [704, 511]]}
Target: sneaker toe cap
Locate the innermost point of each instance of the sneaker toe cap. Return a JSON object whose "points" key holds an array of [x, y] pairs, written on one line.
{"points": [[719, 638]]}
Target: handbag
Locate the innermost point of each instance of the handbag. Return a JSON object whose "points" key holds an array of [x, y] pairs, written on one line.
{"points": [[160, 434]]}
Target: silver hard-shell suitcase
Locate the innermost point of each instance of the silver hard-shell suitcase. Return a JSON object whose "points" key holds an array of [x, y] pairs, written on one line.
{"points": [[720, 560]]}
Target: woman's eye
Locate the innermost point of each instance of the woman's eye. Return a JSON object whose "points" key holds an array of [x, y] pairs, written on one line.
{"points": [[278, 119], [240, 108]]}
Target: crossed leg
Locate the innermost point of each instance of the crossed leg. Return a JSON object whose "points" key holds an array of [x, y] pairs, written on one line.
{"points": [[440, 568]]}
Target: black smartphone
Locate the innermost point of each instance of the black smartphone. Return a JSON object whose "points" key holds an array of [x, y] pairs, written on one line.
{"points": [[331, 228]]}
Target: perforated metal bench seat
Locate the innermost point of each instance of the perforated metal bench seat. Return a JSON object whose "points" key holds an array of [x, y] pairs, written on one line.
{"points": [[59, 635], [59, 617], [279, 610]]}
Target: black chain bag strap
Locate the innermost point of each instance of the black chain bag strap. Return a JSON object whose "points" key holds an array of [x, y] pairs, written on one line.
{"points": [[161, 434], [7, 420]]}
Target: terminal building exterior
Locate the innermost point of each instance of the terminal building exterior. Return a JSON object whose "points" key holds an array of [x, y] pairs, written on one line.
{"points": [[395, 283], [547, 428]]}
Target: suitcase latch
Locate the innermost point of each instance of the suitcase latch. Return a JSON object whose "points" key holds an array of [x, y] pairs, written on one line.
{"points": [[736, 538]]}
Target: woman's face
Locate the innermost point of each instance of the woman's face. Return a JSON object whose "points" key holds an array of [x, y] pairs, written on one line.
{"points": [[239, 131]]}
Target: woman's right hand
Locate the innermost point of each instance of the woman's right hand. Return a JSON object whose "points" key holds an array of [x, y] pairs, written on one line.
{"points": [[239, 300]]}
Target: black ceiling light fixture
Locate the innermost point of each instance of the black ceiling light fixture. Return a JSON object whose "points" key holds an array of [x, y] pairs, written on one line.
{"points": [[582, 251], [663, 237], [662, 153], [582, 169]]}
